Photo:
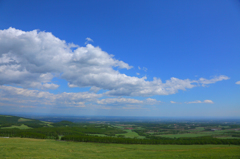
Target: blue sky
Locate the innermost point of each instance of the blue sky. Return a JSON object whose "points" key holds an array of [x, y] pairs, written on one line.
{"points": [[120, 58]]}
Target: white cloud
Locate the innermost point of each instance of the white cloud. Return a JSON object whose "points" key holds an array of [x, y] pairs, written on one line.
{"points": [[208, 101], [32, 59], [128, 101], [39, 56], [143, 68], [50, 86], [172, 102], [204, 81], [151, 100], [119, 101], [198, 101], [138, 73], [238, 82], [88, 40]]}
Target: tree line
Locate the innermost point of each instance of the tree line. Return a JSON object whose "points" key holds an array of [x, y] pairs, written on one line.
{"points": [[179, 141]]}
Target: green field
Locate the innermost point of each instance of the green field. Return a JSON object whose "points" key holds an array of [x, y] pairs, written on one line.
{"points": [[198, 129], [120, 127], [48, 123], [218, 132], [131, 134], [36, 148], [19, 127]]}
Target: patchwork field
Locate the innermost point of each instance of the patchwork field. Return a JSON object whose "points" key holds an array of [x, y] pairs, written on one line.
{"points": [[37, 148]]}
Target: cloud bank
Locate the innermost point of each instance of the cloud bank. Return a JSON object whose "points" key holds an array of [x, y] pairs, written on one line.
{"points": [[35, 98], [42, 98], [32, 59]]}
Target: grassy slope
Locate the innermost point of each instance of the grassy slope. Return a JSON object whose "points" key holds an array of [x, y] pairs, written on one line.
{"points": [[19, 127], [33, 148], [129, 133], [24, 119]]}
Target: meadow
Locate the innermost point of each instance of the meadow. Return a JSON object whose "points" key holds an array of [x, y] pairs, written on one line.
{"points": [[45, 148]]}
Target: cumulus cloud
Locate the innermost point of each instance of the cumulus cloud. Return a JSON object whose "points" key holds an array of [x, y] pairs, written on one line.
{"points": [[198, 101], [172, 102], [238, 82], [32, 59], [39, 56]]}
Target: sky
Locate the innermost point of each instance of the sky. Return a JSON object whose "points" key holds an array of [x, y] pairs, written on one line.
{"points": [[120, 58]]}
